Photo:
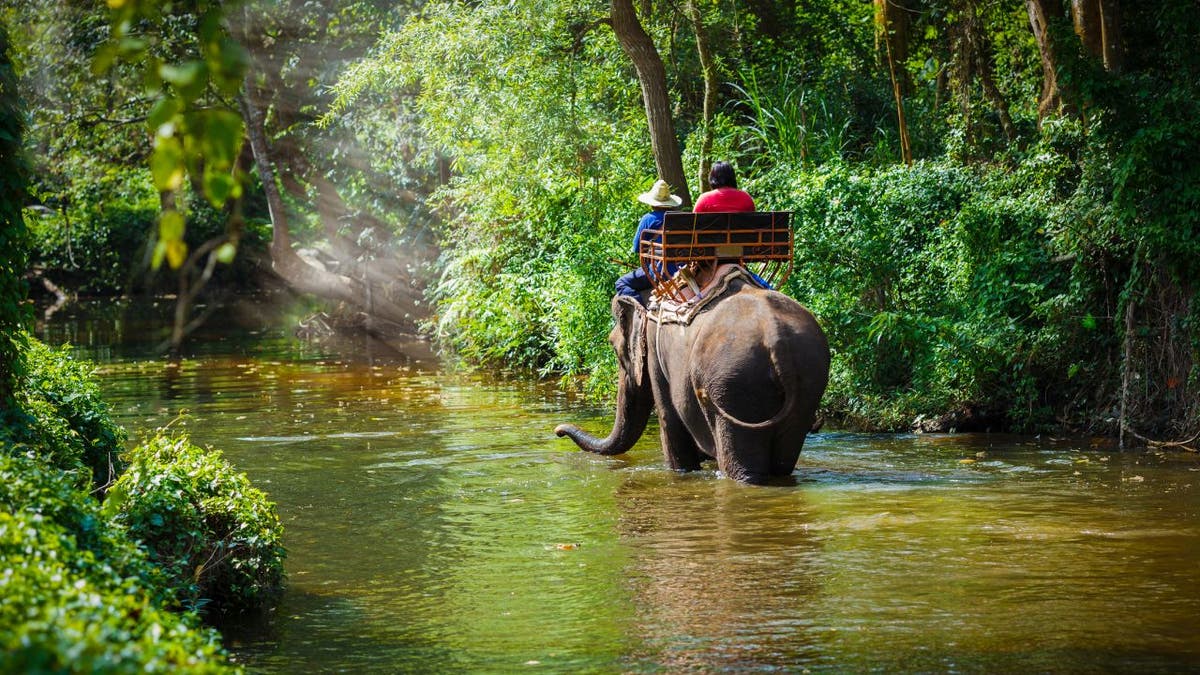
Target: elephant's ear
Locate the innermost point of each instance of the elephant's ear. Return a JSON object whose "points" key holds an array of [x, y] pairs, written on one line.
{"points": [[629, 337]]}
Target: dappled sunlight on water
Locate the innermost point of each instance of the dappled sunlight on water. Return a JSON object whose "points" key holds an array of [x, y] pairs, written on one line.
{"points": [[434, 523]]}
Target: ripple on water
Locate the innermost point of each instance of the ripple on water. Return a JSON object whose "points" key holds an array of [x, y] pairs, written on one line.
{"points": [[278, 439]]}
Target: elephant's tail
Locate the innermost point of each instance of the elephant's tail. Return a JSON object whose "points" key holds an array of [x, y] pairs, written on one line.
{"points": [[785, 410]]}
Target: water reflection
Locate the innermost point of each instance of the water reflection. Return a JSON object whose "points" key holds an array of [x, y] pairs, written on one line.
{"points": [[723, 576], [435, 523], [1031, 557]]}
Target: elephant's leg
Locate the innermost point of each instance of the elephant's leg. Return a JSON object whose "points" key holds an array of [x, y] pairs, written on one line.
{"points": [[743, 454], [786, 446], [785, 454], [679, 448]]}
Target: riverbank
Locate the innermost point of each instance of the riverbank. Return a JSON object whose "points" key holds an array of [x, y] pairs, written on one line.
{"points": [[113, 555]]}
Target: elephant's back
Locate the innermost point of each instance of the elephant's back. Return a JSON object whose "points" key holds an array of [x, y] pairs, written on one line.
{"points": [[767, 316], [756, 346]]}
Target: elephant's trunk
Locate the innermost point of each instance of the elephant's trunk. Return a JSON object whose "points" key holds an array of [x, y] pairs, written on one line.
{"points": [[628, 338], [633, 411]]}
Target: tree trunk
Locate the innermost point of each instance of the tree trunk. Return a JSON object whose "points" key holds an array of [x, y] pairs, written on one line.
{"points": [[13, 232], [296, 271], [358, 265], [652, 76], [710, 93], [1098, 26], [974, 52], [1001, 106], [891, 26], [1127, 367], [1053, 100], [981, 53]]}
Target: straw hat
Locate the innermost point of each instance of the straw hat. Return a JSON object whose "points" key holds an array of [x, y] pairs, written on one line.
{"points": [[660, 195]]}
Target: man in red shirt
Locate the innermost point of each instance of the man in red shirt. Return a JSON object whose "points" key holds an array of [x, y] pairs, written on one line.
{"points": [[724, 195]]}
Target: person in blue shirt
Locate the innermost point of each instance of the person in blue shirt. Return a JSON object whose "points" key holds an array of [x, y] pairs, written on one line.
{"points": [[660, 200]]}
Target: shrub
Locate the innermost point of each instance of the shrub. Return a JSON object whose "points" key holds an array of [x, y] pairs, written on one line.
{"points": [[937, 287], [78, 595], [47, 495], [215, 536], [60, 414], [533, 290], [101, 249], [98, 250]]}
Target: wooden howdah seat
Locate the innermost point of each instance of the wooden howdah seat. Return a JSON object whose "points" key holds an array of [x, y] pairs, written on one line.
{"points": [[690, 243]]}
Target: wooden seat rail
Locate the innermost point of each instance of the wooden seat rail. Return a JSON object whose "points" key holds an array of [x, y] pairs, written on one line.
{"points": [[760, 241]]}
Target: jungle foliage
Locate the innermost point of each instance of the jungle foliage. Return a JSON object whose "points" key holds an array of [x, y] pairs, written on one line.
{"points": [[214, 535], [79, 595], [95, 211], [14, 236], [58, 410], [114, 557], [115, 89], [997, 201]]}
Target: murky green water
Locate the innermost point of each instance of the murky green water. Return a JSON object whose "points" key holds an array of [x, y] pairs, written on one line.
{"points": [[435, 524]]}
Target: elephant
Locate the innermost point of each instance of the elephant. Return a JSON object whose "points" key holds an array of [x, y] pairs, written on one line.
{"points": [[738, 381]]}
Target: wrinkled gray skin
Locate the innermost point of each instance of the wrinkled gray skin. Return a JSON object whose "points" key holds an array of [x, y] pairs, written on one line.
{"points": [[740, 384]]}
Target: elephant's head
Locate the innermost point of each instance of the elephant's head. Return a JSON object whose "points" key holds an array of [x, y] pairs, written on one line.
{"points": [[634, 400]]}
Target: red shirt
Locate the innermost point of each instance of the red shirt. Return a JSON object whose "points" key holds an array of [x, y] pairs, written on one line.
{"points": [[724, 200]]}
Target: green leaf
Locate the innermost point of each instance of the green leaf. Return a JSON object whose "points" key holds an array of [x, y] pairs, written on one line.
{"points": [[183, 75], [226, 252], [170, 226], [166, 163], [176, 253], [219, 186], [210, 25], [163, 112], [116, 497], [129, 46], [105, 56], [151, 80], [229, 66], [189, 78], [160, 251], [221, 140]]}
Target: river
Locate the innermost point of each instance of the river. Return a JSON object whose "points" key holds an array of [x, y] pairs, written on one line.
{"points": [[434, 523]]}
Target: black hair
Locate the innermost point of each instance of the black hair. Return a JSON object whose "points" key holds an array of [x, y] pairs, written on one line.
{"points": [[721, 175]]}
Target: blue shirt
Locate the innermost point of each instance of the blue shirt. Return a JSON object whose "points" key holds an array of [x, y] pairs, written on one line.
{"points": [[652, 220]]}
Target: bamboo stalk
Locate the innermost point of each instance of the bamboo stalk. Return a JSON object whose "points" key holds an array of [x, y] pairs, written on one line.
{"points": [[905, 146], [1126, 372]]}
